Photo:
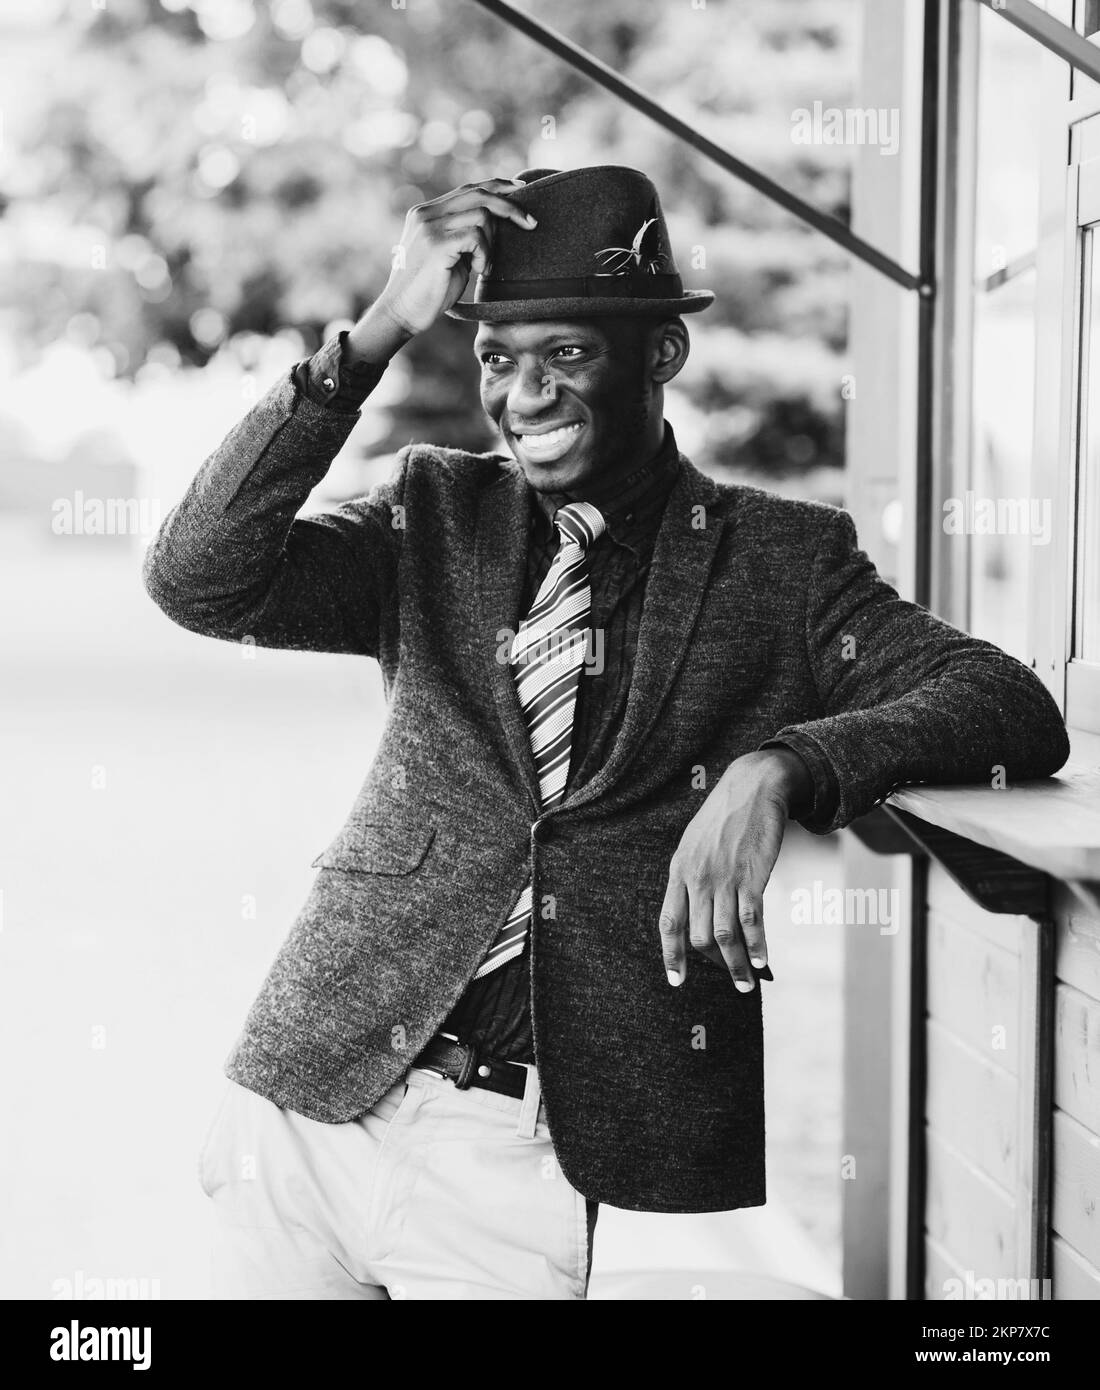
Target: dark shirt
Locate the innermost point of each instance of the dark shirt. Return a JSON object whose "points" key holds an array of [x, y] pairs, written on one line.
{"points": [[494, 1011]]}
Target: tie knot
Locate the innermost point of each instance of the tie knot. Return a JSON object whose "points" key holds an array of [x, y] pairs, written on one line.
{"points": [[580, 522]]}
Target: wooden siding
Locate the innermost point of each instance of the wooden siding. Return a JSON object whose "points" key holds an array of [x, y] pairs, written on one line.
{"points": [[1075, 1180], [981, 1063], [972, 1111]]}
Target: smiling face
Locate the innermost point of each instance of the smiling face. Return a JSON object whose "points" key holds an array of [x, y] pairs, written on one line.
{"points": [[579, 400]]}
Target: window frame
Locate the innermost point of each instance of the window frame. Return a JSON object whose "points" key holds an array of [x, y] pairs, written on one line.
{"points": [[1082, 678], [1070, 128], [964, 286]]}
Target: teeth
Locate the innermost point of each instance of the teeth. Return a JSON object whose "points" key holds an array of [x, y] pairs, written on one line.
{"points": [[552, 437]]}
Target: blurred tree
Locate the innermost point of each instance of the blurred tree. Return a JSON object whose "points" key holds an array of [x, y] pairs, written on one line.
{"points": [[211, 169]]}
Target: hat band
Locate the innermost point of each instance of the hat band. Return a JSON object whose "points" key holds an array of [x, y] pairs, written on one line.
{"points": [[631, 285]]}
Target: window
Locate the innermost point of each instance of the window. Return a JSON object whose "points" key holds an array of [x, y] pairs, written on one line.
{"points": [[996, 508], [1086, 561], [1083, 655]]}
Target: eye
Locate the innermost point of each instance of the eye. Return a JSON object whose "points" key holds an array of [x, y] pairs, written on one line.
{"points": [[568, 348], [492, 359]]}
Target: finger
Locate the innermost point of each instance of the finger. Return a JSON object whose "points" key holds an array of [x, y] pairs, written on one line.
{"points": [[673, 923], [472, 242], [750, 914], [700, 906], [488, 185], [482, 256], [485, 204], [442, 228], [729, 940], [700, 934], [465, 217], [478, 198]]}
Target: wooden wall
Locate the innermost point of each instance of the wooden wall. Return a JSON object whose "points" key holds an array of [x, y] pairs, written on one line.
{"points": [[972, 1107], [1075, 1214], [982, 1180]]}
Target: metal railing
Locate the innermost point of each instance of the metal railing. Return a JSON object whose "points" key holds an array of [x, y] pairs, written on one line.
{"points": [[606, 77], [1059, 38], [1050, 32]]}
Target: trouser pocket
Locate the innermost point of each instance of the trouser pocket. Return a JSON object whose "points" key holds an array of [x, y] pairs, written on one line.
{"points": [[204, 1164]]}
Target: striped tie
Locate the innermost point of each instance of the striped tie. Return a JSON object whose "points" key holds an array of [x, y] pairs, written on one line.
{"points": [[547, 654]]}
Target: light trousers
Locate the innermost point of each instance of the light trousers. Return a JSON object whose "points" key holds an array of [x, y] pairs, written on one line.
{"points": [[434, 1193]]}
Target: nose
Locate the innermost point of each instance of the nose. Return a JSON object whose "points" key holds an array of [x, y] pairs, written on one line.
{"points": [[532, 391]]}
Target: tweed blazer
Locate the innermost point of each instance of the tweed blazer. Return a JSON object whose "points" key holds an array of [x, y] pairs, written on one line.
{"points": [[762, 619]]}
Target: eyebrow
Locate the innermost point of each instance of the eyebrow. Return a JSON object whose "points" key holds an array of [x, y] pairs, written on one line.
{"points": [[491, 344]]}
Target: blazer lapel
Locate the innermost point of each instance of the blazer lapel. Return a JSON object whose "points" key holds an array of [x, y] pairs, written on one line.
{"points": [[683, 554], [501, 562]]}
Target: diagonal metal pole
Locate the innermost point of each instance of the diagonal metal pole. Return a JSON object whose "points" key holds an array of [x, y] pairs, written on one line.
{"points": [[1051, 33], [608, 78]]}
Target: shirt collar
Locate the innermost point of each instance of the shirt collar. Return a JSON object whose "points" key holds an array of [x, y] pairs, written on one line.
{"points": [[629, 506]]}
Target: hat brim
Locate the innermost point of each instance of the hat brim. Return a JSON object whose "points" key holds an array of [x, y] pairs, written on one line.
{"points": [[581, 307]]}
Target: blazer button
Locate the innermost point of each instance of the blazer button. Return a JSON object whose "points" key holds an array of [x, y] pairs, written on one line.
{"points": [[328, 383], [542, 831]]}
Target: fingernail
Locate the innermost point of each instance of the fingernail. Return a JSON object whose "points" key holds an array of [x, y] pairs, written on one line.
{"points": [[532, 221], [744, 985], [673, 977], [758, 961]]}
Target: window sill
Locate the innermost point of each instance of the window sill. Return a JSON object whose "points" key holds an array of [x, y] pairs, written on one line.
{"points": [[1051, 824]]}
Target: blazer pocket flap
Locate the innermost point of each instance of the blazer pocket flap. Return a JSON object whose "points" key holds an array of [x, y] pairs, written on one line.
{"points": [[378, 848]]}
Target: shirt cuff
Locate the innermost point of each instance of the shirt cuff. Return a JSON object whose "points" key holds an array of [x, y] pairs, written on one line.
{"points": [[331, 378]]}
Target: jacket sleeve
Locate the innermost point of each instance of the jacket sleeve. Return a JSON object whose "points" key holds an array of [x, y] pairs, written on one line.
{"points": [[905, 697], [231, 560], [333, 377], [824, 794]]}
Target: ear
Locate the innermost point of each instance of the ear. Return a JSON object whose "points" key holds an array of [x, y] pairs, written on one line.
{"points": [[669, 346]]}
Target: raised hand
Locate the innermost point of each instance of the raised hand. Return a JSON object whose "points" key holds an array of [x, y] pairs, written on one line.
{"points": [[443, 241]]}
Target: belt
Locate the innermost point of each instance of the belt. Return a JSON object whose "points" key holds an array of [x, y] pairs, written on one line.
{"points": [[466, 1067]]}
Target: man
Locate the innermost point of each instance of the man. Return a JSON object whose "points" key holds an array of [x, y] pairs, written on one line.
{"points": [[525, 980]]}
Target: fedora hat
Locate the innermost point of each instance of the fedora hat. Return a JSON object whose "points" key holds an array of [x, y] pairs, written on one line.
{"points": [[601, 247]]}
